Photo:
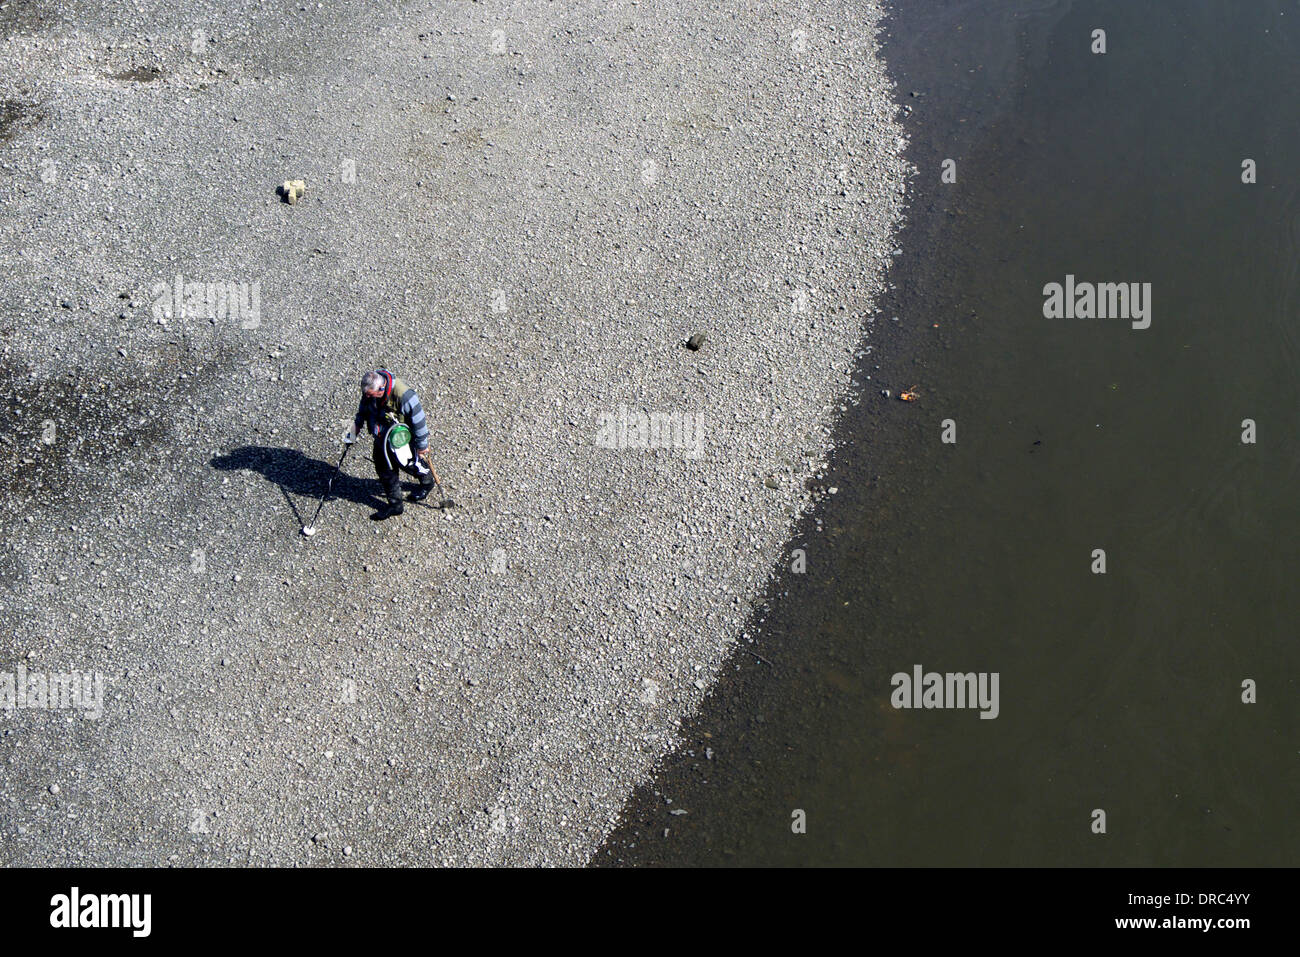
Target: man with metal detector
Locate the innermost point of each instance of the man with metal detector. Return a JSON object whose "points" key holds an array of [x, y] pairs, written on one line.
{"points": [[391, 412]]}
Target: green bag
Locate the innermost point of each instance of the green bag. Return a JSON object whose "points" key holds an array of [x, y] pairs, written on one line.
{"points": [[399, 440]]}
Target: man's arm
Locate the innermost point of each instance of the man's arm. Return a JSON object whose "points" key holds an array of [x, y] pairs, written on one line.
{"points": [[414, 413], [362, 417]]}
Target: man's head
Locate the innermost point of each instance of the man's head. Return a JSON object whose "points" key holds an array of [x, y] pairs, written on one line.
{"points": [[376, 385]]}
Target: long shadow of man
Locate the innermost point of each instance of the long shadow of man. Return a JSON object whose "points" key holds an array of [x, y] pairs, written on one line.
{"points": [[296, 474]]}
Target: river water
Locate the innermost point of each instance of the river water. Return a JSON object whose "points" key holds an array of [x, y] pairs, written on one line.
{"points": [[1121, 691]]}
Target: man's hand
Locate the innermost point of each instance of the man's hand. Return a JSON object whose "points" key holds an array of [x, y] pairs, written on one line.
{"points": [[349, 437], [424, 454]]}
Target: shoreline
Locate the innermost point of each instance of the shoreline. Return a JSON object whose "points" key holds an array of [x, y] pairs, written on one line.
{"points": [[972, 557]]}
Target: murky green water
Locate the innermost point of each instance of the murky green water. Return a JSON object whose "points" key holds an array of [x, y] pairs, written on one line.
{"points": [[1122, 691]]}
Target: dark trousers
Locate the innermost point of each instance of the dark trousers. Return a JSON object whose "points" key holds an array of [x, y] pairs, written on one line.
{"points": [[389, 469]]}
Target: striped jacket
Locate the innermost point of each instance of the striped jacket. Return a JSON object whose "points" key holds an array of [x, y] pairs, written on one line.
{"points": [[401, 404]]}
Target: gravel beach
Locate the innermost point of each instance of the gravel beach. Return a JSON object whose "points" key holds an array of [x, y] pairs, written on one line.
{"points": [[522, 209]]}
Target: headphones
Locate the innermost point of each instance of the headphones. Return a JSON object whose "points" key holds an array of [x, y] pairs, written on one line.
{"points": [[388, 384]]}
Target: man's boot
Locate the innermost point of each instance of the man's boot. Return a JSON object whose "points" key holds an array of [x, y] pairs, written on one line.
{"points": [[389, 510], [393, 491], [421, 493]]}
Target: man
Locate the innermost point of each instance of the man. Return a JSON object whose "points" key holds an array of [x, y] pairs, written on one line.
{"points": [[391, 412]]}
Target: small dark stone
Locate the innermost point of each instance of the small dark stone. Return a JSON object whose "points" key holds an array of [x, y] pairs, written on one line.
{"points": [[695, 341]]}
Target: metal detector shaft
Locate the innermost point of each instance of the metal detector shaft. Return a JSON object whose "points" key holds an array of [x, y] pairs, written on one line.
{"points": [[444, 501], [347, 447]]}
